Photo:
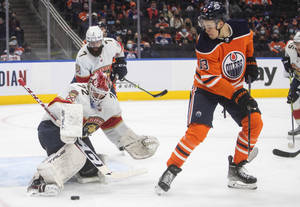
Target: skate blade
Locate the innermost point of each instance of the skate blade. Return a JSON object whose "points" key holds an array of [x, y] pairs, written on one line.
{"points": [[241, 185], [290, 137], [158, 190]]}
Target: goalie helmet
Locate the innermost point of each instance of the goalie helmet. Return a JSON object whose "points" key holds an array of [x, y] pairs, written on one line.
{"points": [[99, 86], [94, 39]]}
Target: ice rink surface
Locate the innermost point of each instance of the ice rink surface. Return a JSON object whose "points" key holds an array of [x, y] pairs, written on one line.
{"points": [[202, 182]]}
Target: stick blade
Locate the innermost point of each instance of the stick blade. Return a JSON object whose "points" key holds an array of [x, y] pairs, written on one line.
{"points": [[21, 82], [281, 153], [164, 92]]}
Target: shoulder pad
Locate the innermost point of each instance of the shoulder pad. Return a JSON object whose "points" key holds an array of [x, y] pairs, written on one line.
{"points": [[239, 27]]}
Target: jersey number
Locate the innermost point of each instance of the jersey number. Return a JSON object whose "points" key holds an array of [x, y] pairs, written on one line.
{"points": [[203, 64]]}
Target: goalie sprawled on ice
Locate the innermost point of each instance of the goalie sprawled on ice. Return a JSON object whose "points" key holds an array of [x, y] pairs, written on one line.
{"points": [[85, 108]]}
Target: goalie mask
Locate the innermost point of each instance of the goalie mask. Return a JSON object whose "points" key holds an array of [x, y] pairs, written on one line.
{"points": [[99, 86], [94, 39]]}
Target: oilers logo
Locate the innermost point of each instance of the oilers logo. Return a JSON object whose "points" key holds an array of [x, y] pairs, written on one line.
{"points": [[233, 65]]}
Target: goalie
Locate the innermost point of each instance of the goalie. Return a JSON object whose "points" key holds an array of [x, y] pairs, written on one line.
{"points": [[86, 107]]}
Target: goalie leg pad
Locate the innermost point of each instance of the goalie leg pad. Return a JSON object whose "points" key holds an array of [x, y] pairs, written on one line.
{"points": [[139, 147], [62, 165]]}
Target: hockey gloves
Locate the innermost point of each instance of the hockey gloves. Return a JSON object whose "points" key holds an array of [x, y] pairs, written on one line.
{"points": [[251, 69], [242, 98], [287, 64], [119, 69], [293, 95]]}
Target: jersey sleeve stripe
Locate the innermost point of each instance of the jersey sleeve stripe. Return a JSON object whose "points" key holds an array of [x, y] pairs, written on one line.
{"points": [[209, 79], [214, 82]]}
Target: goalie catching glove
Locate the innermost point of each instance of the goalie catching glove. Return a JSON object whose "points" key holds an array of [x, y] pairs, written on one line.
{"points": [[139, 147]]}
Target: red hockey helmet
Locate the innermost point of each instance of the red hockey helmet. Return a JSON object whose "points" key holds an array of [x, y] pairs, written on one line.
{"points": [[99, 85]]}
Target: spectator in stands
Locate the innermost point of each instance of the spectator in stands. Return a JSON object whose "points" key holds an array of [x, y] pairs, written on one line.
{"points": [[15, 52], [183, 37], [148, 51], [162, 21], [129, 51], [15, 29], [176, 21], [2, 34], [131, 14], [276, 46], [162, 38], [152, 12]]}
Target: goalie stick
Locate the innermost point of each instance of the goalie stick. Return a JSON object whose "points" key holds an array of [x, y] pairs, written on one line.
{"points": [[164, 92], [282, 153], [93, 157]]}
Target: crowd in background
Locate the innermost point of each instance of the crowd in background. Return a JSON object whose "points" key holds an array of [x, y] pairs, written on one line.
{"points": [[16, 35], [169, 28], [172, 25]]}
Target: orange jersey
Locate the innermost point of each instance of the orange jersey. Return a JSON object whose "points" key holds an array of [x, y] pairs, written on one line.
{"points": [[221, 66]]}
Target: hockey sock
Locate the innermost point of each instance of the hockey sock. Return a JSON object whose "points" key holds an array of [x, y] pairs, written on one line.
{"points": [[241, 149], [194, 135]]}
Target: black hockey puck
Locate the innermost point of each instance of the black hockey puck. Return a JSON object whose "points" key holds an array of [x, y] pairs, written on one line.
{"points": [[75, 197]]}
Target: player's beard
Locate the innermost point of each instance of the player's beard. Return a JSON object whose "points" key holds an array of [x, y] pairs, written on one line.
{"points": [[94, 52]]}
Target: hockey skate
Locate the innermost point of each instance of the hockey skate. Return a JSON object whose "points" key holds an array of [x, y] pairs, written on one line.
{"points": [[38, 187], [237, 176], [295, 132], [166, 179]]}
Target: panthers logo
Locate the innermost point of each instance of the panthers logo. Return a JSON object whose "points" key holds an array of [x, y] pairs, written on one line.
{"points": [[91, 125], [233, 65]]}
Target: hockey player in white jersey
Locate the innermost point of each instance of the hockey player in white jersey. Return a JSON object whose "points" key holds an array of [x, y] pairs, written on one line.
{"points": [[100, 109], [291, 63], [100, 54]]}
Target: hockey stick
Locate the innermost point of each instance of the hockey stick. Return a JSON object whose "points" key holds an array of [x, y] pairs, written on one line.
{"points": [[164, 92], [292, 144], [281, 153], [249, 117], [93, 157]]}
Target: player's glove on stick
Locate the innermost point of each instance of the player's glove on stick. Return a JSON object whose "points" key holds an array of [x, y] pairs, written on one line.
{"points": [[244, 100], [287, 64], [119, 68], [251, 69], [293, 95]]}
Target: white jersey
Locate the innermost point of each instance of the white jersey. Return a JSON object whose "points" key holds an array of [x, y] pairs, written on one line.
{"points": [[87, 64], [93, 117], [290, 51]]}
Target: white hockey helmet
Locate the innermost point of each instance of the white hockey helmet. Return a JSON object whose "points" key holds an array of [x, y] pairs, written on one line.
{"points": [[297, 37], [94, 36], [99, 85]]}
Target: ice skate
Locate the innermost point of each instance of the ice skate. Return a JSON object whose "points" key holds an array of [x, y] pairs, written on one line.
{"points": [[295, 132], [38, 187], [166, 179], [238, 178]]}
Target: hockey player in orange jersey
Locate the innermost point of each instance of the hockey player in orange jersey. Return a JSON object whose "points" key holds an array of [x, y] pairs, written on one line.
{"points": [[225, 61]]}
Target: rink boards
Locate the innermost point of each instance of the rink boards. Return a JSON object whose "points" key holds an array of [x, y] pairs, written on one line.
{"points": [[48, 78]]}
